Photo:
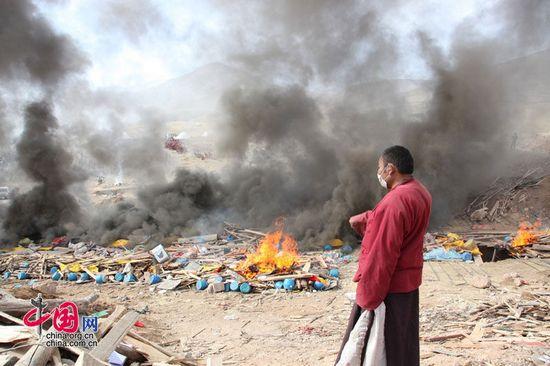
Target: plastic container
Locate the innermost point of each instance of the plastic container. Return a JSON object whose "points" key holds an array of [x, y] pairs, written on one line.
{"points": [[7, 275], [119, 277], [22, 275], [202, 285], [72, 276], [100, 278], [53, 270], [327, 247], [154, 279], [234, 286], [130, 277], [334, 272], [245, 288], [347, 249], [84, 276], [56, 276], [318, 285], [217, 279], [24, 264], [279, 284], [289, 284]]}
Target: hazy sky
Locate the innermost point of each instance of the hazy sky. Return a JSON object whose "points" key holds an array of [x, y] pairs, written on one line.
{"points": [[139, 43]]}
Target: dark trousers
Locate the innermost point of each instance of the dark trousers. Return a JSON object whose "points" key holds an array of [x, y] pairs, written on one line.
{"points": [[401, 329]]}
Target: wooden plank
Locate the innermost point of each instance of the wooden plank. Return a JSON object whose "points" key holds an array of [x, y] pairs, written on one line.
{"points": [[106, 324], [86, 359], [15, 333], [109, 342], [13, 319], [284, 277], [37, 355], [150, 352], [56, 357], [146, 341]]}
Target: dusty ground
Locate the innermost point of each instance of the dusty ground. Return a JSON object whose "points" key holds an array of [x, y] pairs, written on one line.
{"points": [[306, 328]]}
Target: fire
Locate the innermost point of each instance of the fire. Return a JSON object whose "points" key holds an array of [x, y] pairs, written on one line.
{"points": [[276, 252], [525, 235]]}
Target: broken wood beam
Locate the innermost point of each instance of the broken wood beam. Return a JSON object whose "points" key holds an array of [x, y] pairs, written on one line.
{"points": [[37, 355], [110, 341], [14, 306]]}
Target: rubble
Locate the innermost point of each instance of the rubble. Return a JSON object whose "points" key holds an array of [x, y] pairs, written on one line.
{"points": [[496, 200], [529, 241], [116, 344], [253, 260]]}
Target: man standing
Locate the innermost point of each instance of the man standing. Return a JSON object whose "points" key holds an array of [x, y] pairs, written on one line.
{"points": [[390, 263]]}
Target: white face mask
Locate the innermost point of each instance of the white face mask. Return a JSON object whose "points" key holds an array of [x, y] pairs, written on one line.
{"points": [[383, 183]]}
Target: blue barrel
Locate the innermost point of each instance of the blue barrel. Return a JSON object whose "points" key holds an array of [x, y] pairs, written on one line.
{"points": [[7, 275], [334, 272], [226, 287], [100, 278], [289, 284], [53, 270], [279, 284], [56, 276], [119, 277], [25, 264], [217, 279], [22, 275], [130, 277], [202, 285], [84, 276], [245, 288], [327, 247], [234, 286], [318, 285], [347, 249], [72, 276], [154, 279]]}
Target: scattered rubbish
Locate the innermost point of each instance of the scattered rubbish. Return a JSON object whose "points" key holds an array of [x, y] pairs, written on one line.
{"points": [[252, 261], [154, 279], [160, 254], [442, 254]]}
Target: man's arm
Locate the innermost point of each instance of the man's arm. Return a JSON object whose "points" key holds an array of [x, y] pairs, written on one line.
{"points": [[359, 223], [376, 267]]}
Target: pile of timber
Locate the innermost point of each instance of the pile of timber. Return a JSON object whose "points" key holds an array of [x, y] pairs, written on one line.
{"points": [[498, 198], [21, 346], [507, 317]]}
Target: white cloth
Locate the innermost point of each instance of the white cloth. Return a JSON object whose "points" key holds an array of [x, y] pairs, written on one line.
{"points": [[375, 352]]}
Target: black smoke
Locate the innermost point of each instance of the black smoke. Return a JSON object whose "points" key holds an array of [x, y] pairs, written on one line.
{"points": [[47, 209], [35, 55]]}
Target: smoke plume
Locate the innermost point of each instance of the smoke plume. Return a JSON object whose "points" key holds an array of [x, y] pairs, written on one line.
{"points": [[33, 52], [47, 208], [304, 141]]}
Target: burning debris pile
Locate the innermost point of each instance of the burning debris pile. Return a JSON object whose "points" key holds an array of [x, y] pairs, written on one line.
{"points": [[530, 240], [239, 260]]}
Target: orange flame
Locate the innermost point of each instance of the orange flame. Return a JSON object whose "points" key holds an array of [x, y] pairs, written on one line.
{"points": [[276, 252], [525, 235]]}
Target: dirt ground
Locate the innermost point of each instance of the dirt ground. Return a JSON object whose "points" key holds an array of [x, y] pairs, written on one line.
{"points": [[305, 328]]}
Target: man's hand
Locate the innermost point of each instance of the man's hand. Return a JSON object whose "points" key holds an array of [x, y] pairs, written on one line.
{"points": [[357, 277], [359, 223]]}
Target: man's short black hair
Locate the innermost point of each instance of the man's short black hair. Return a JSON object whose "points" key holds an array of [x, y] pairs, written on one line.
{"points": [[400, 157]]}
